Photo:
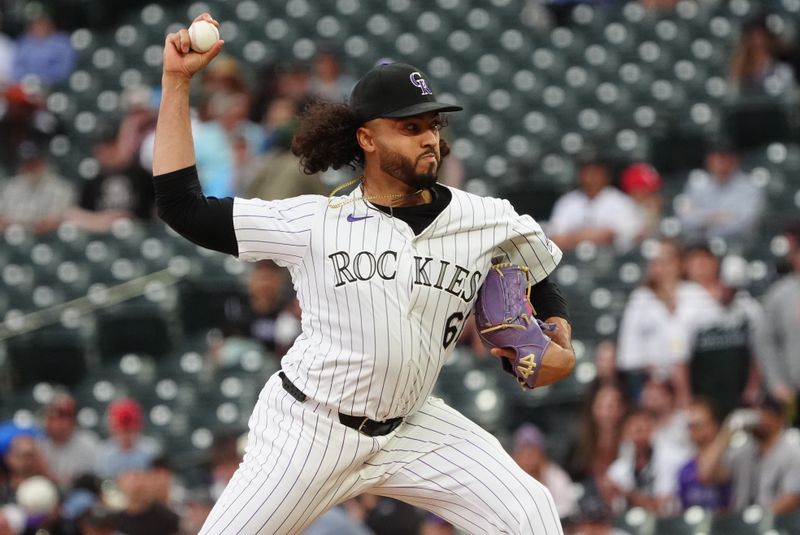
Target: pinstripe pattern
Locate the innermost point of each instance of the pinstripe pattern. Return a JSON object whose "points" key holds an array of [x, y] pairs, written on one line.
{"points": [[300, 462], [377, 303]]}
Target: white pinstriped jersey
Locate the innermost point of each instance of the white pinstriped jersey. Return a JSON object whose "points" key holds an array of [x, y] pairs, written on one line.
{"points": [[382, 307]]}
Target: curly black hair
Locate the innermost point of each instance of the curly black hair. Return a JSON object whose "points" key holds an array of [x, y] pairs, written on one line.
{"points": [[326, 138]]}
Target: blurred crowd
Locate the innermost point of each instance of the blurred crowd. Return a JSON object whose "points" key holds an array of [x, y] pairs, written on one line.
{"points": [[695, 402], [60, 479]]}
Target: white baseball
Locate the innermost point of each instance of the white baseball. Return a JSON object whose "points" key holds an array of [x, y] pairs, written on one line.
{"points": [[202, 36]]}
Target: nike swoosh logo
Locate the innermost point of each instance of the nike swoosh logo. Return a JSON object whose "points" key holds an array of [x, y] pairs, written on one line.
{"points": [[352, 219]]}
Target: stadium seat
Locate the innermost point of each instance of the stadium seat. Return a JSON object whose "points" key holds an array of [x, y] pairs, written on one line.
{"points": [[758, 123], [138, 327], [787, 524], [694, 521], [202, 301], [637, 521], [53, 354], [753, 521]]}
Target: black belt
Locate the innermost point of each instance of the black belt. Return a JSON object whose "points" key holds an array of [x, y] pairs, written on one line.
{"points": [[362, 424]]}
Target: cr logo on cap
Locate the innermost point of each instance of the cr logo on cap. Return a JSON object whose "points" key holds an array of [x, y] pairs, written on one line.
{"points": [[419, 81]]}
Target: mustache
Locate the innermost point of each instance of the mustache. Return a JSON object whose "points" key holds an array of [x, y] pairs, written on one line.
{"points": [[421, 156]]}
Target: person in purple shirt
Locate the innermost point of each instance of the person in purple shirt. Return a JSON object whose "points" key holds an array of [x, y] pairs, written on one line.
{"points": [[43, 51], [697, 485]]}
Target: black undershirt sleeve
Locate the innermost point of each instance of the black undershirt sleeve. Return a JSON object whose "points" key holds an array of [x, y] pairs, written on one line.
{"points": [[548, 301], [206, 221]]}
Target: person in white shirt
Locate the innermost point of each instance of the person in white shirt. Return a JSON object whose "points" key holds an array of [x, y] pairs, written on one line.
{"points": [[638, 475], [661, 318], [70, 452], [595, 212], [720, 201]]}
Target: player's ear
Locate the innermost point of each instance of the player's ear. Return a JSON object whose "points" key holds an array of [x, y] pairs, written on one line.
{"points": [[366, 139]]}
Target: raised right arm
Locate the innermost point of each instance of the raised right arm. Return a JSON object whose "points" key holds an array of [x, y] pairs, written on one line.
{"points": [[179, 198], [174, 148]]}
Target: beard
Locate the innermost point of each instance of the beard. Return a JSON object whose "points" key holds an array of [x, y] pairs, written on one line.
{"points": [[404, 169]]}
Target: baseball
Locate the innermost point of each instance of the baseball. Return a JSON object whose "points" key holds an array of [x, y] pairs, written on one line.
{"points": [[203, 35]]}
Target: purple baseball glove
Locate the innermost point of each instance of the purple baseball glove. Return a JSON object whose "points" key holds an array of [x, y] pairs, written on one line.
{"points": [[504, 316]]}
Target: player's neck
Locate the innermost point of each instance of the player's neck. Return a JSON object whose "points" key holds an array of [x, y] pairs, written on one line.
{"points": [[386, 190]]}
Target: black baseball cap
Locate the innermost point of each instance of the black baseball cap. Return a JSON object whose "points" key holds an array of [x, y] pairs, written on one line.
{"points": [[394, 90]]}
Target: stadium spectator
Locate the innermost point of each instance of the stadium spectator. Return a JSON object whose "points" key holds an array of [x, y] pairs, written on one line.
{"points": [[780, 345], [599, 436], [293, 81], [69, 451], [660, 320], [36, 197], [276, 174], [528, 450], [433, 525], [77, 502], [144, 513], [38, 497], [595, 212], [720, 201], [642, 183], [327, 81], [636, 476], [166, 487], [22, 460], [196, 506], [12, 520], [126, 448], [755, 62], [256, 317], [283, 79], [224, 75], [765, 467], [225, 142], [121, 189], [337, 521], [43, 51], [97, 520], [605, 361], [224, 456], [594, 517], [6, 59], [723, 365], [697, 485], [670, 422], [24, 118]]}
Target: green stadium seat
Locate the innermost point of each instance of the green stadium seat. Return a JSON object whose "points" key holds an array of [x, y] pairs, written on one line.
{"points": [[694, 521], [637, 521], [753, 521], [138, 327], [758, 123], [787, 524], [54, 354], [202, 301], [188, 364]]}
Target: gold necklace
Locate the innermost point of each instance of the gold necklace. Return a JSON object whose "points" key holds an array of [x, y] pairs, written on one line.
{"points": [[371, 198]]}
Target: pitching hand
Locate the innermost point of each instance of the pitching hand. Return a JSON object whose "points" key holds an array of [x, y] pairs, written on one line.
{"points": [[180, 60]]}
